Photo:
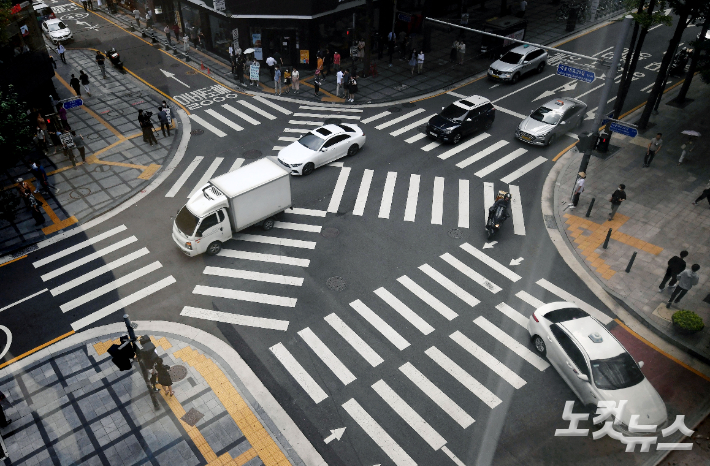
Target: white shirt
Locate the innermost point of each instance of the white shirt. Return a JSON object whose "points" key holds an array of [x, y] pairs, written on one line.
{"points": [[579, 186], [271, 61], [523, 4], [339, 77], [420, 58], [295, 75], [462, 47]]}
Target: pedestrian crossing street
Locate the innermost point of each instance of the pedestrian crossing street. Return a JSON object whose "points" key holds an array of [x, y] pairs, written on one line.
{"points": [[250, 260], [110, 262], [483, 358]]}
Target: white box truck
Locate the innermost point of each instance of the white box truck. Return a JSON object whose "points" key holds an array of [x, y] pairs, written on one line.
{"points": [[249, 195]]}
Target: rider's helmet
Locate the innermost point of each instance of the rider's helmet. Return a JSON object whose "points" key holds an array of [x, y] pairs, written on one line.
{"points": [[507, 196]]}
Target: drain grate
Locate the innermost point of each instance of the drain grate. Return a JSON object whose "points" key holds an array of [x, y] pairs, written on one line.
{"points": [[192, 417], [177, 373], [333, 121], [456, 233], [336, 283], [252, 154], [329, 232], [409, 105], [394, 109], [196, 132]]}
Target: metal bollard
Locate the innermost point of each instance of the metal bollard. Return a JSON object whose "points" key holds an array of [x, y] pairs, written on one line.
{"points": [[631, 262], [589, 210], [606, 241]]}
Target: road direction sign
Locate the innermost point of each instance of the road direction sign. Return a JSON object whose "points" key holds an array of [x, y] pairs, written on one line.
{"points": [[575, 73], [404, 17], [73, 103], [623, 129]]}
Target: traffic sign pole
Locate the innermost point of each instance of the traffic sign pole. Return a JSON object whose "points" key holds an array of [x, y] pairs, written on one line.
{"points": [[606, 90]]}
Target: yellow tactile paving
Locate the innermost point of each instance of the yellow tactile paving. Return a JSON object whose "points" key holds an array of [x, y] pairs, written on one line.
{"points": [[587, 244], [256, 435], [103, 346], [163, 343], [193, 432]]}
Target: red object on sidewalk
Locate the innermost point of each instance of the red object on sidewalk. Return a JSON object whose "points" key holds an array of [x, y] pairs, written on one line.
{"points": [[208, 71], [202, 65], [373, 69]]}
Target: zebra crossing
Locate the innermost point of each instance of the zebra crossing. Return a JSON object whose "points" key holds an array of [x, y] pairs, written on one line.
{"points": [[237, 114], [435, 190], [308, 117], [330, 355], [105, 263], [241, 267], [465, 152]]}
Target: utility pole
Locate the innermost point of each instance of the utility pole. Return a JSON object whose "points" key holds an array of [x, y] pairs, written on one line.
{"points": [[130, 326], [606, 90]]}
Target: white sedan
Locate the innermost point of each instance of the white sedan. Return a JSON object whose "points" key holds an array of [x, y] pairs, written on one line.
{"points": [[56, 30], [320, 147], [594, 364]]}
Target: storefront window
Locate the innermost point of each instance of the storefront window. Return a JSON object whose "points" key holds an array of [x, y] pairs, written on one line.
{"points": [[191, 17], [221, 34]]}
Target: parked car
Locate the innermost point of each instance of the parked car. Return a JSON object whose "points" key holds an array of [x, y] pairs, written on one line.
{"points": [[57, 31], [321, 146], [594, 363], [558, 116], [461, 118], [518, 62], [42, 11]]}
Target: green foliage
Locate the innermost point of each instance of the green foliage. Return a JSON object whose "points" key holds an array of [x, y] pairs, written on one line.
{"points": [[688, 321], [15, 131], [6, 17], [645, 20]]}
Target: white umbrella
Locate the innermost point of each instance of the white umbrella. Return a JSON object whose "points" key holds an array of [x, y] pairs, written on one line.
{"points": [[249, 50], [690, 132]]}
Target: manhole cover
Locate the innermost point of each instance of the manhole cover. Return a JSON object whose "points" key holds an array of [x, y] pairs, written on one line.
{"points": [[333, 121], [456, 233], [192, 417], [409, 105], [394, 109], [329, 232], [78, 193], [93, 136], [177, 373], [196, 132], [252, 154], [336, 283]]}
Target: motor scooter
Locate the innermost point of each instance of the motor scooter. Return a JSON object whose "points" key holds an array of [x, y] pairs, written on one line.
{"points": [[497, 214], [115, 59], [680, 60]]}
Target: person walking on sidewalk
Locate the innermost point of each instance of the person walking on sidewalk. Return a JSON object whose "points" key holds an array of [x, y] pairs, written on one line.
{"points": [[338, 82], [164, 377], [454, 51], [616, 199], [146, 126], [277, 80], [295, 75], [100, 60], [675, 266], [241, 61], [316, 83], [91, 4], [578, 189], [168, 112], [60, 51], [167, 32], [185, 43], [137, 15], [176, 31], [41, 175], [85, 5], [84, 78], [653, 147], [704, 195], [353, 87], [62, 112], [287, 80], [37, 214], [75, 84], [68, 149], [336, 60], [346, 85], [413, 61], [420, 62], [79, 143], [462, 52], [686, 280]]}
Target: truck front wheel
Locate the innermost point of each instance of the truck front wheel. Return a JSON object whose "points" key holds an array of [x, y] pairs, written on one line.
{"points": [[214, 248], [268, 224]]}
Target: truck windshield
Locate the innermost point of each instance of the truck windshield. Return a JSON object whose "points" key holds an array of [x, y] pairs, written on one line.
{"points": [[311, 141], [186, 222]]}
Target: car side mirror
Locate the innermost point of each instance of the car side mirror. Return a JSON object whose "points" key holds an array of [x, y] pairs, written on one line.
{"points": [[563, 122], [468, 119], [583, 377], [525, 62], [640, 364]]}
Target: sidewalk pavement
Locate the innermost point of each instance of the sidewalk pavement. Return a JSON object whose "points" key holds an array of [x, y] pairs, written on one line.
{"points": [[396, 82], [71, 405], [118, 162], [657, 221]]}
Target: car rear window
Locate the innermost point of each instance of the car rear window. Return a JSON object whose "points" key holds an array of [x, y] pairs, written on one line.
{"points": [[563, 315], [546, 115], [186, 221], [616, 373], [453, 112], [311, 141], [511, 57], [346, 128]]}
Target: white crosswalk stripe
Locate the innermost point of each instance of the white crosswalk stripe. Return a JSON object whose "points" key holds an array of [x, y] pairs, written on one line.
{"points": [[206, 176], [260, 257], [478, 156], [362, 193], [254, 276], [339, 190], [256, 109], [463, 146], [234, 319], [296, 130], [441, 399], [241, 295], [380, 325], [298, 226], [358, 344], [183, 178], [528, 298], [516, 208], [512, 344], [394, 121], [88, 258], [470, 273], [409, 415], [524, 169], [449, 285], [241, 114], [307, 212], [293, 367], [410, 211], [514, 315], [387, 194], [378, 435], [500, 162], [464, 198], [77, 247], [321, 115], [427, 297], [431, 146], [405, 311], [202, 122], [489, 198], [437, 203], [237, 163], [410, 126], [294, 243], [269, 103], [327, 356], [492, 263], [463, 377], [375, 118], [224, 120], [306, 122], [488, 359], [331, 109]]}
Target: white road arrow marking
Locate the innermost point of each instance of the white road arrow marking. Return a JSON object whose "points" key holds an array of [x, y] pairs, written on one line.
{"points": [[564, 88], [335, 434], [516, 261], [543, 95], [83, 22], [490, 245], [494, 86], [171, 75]]}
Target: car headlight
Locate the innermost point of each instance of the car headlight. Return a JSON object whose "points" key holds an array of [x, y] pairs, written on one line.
{"points": [[188, 245], [505, 74], [449, 130], [294, 165]]}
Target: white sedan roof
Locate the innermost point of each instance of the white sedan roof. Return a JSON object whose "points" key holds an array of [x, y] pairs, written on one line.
{"points": [[471, 102], [582, 328]]}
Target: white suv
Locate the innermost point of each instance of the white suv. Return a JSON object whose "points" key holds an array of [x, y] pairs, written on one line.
{"points": [[517, 62]]}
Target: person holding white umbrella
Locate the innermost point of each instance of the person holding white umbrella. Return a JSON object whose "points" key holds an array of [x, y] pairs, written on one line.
{"points": [[688, 146]]}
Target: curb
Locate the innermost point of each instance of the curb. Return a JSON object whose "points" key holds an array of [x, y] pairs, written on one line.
{"points": [[270, 413]]}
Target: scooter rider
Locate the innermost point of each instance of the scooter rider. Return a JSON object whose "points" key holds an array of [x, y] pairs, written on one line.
{"points": [[504, 201]]}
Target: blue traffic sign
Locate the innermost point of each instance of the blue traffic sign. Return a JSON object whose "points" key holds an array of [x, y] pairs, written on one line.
{"points": [[575, 73], [73, 103], [623, 129], [404, 17]]}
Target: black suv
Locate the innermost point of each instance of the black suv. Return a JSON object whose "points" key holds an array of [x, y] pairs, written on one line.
{"points": [[461, 118]]}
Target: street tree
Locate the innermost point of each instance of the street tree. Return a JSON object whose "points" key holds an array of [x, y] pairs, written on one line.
{"points": [[687, 12], [15, 131], [369, 8], [699, 46]]}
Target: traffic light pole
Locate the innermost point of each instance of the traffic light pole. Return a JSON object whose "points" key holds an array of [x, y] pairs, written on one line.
{"points": [[606, 90], [144, 371]]}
